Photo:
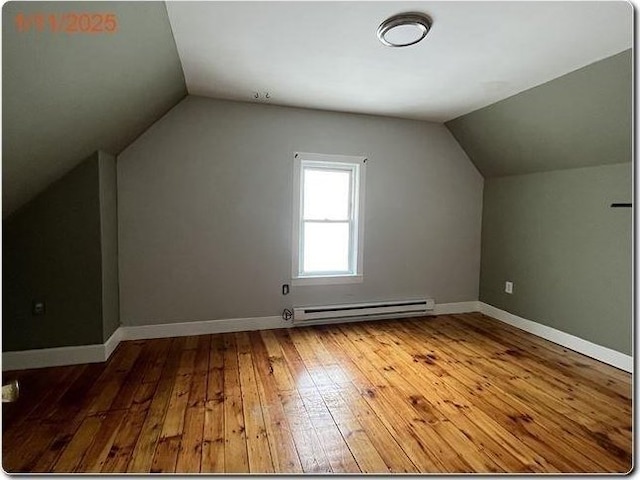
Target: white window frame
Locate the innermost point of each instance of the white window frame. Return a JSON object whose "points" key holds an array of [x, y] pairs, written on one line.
{"points": [[356, 165]]}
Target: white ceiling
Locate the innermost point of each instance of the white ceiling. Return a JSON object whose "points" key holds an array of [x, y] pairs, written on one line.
{"points": [[326, 55]]}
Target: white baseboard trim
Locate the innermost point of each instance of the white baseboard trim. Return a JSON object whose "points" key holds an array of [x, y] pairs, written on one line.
{"points": [[603, 354], [205, 327], [53, 357], [451, 308], [248, 324], [60, 356], [112, 343]]}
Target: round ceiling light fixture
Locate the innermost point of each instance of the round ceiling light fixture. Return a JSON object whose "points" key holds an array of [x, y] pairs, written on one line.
{"points": [[404, 29]]}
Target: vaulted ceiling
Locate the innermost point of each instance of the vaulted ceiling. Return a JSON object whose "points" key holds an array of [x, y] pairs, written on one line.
{"points": [[326, 54], [581, 119], [67, 95]]}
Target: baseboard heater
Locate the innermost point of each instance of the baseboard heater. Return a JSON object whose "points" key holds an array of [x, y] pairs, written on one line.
{"points": [[371, 309]]}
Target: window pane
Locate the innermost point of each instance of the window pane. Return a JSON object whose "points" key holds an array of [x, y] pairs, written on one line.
{"points": [[326, 194], [326, 247]]}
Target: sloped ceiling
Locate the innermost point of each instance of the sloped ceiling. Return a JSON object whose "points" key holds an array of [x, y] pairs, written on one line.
{"points": [[326, 54], [66, 95], [581, 119]]}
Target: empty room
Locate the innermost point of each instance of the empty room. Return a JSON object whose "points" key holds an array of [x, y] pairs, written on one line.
{"points": [[317, 237]]}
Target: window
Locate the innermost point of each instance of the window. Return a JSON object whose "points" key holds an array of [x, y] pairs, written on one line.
{"points": [[327, 224]]}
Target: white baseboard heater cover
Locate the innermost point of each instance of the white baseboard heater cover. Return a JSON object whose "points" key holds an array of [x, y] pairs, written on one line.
{"points": [[403, 307]]}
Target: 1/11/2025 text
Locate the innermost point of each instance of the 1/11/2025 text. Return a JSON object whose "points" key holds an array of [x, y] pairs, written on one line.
{"points": [[71, 22]]}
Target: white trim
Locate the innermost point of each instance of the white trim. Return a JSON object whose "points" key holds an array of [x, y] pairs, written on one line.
{"points": [[203, 327], [112, 343], [53, 357], [206, 327], [59, 356], [330, 157], [357, 167], [598, 352], [329, 280], [451, 308]]}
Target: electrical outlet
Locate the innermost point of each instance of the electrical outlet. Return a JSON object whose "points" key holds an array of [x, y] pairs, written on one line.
{"points": [[508, 287], [38, 307]]}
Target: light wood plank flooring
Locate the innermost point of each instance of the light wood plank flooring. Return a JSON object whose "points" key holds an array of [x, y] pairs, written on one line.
{"points": [[453, 393]]}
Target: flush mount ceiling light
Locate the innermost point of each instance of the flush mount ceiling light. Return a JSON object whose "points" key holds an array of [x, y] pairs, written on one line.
{"points": [[404, 29]]}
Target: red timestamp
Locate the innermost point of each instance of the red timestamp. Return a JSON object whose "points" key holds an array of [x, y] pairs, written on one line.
{"points": [[71, 22]]}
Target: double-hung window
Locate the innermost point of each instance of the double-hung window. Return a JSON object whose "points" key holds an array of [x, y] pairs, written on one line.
{"points": [[328, 211]]}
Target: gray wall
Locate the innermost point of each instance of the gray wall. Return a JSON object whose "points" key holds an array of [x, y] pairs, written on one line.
{"points": [[64, 96], [568, 253], [581, 119], [205, 205], [61, 248], [51, 252], [109, 243]]}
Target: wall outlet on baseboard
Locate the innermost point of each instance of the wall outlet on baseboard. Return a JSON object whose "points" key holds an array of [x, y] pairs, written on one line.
{"points": [[38, 307], [508, 287]]}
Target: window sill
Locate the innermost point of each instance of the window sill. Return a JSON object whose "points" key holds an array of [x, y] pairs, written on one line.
{"points": [[329, 280]]}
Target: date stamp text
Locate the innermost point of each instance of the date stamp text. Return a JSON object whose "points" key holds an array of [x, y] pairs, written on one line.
{"points": [[70, 22]]}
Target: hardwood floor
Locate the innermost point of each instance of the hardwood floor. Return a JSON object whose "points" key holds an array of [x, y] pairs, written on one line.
{"points": [[453, 393]]}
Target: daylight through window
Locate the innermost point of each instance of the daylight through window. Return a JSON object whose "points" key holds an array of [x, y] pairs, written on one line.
{"points": [[328, 229]]}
